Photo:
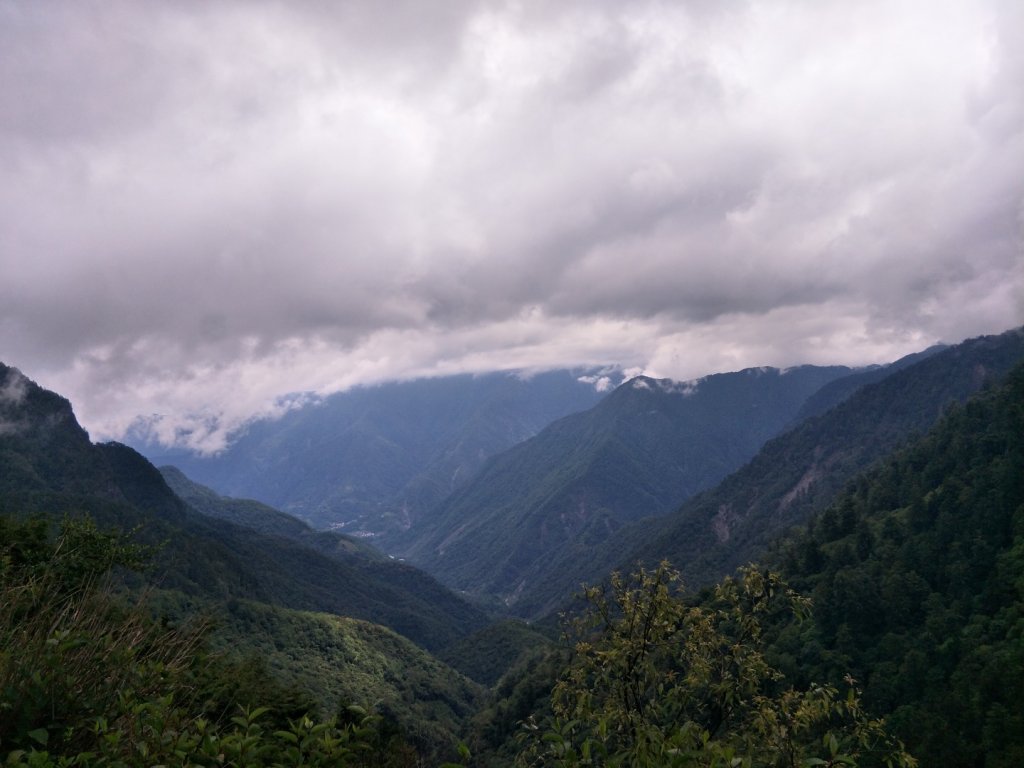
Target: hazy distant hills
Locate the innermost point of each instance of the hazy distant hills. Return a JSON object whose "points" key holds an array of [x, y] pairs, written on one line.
{"points": [[793, 476], [48, 466], [642, 450], [915, 568], [300, 615], [373, 459], [911, 547], [835, 392], [262, 518]]}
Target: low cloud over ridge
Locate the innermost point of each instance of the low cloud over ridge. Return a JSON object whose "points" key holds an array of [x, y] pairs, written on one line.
{"points": [[206, 206]]}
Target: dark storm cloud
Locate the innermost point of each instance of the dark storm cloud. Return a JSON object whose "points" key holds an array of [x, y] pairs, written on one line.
{"points": [[205, 205]]}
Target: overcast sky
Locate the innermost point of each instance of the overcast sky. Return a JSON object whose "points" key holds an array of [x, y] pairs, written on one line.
{"points": [[205, 206]]}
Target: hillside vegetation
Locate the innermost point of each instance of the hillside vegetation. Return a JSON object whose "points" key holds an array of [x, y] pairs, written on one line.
{"points": [[50, 467], [88, 677], [917, 578], [886, 620], [643, 450], [792, 477], [376, 459]]}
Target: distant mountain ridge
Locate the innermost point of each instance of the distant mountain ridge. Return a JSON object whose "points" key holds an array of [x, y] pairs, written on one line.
{"points": [[835, 392], [642, 450], [793, 476], [262, 518], [373, 459], [306, 618], [49, 466]]}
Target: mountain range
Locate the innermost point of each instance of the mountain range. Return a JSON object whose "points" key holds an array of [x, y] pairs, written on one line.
{"points": [[314, 617], [372, 460], [524, 526], [914, 567], [793, 476], [49, 466], [890, 495], [643, 450]]}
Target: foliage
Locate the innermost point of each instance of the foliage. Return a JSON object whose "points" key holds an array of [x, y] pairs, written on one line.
{"points": [[337, 660], [86, 679], [658, 681], [159, 733], [522, 693], [488, 654], [917, 573], [794, 476], [71, 651], [642, 450]]}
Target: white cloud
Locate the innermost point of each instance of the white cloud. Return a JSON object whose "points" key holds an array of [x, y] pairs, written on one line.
{"points": [[14, 388], [205, 206]]}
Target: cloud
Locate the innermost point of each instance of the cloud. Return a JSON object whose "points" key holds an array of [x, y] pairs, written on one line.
{"points": [[207, 206], [14, 388], [601, 381]]}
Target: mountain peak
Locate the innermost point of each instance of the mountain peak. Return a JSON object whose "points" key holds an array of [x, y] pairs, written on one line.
{"points": [[31, 412], [667, 386], [643, 450]]}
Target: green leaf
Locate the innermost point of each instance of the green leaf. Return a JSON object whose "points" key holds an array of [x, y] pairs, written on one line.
{"points": [[40, 736], [257, 713]]}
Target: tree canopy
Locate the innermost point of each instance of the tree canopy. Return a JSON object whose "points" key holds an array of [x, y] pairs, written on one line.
{"points": [[657, 679]]}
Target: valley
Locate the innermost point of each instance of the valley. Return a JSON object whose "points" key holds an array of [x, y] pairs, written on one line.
{"points": [[890, 497], [488, 384], [371, 461]]}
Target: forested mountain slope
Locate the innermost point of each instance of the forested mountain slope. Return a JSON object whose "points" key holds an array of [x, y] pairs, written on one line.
{"points": [[793, 476], [917, 577], [645, 448], [373, 459], [263, 518], [48, 466], [333, 661], [835, 392]]}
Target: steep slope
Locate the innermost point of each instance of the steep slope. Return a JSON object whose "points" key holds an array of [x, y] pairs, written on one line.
{"points": [[262, 518], [48, 465], [486, 655], [792, 477], [917, 577], [338, 661], [644, 449], [371, 460], [835, 392], [916, 572]]}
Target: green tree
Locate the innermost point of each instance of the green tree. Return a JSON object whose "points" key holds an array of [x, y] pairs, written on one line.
{"points": [[68, 649], [87, 679], [657, 680]]}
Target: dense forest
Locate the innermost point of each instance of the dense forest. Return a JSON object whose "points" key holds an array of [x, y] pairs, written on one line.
{"points": [[88, 678], [915, 582], [794, 475], [917, 578], [146, 620]]}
